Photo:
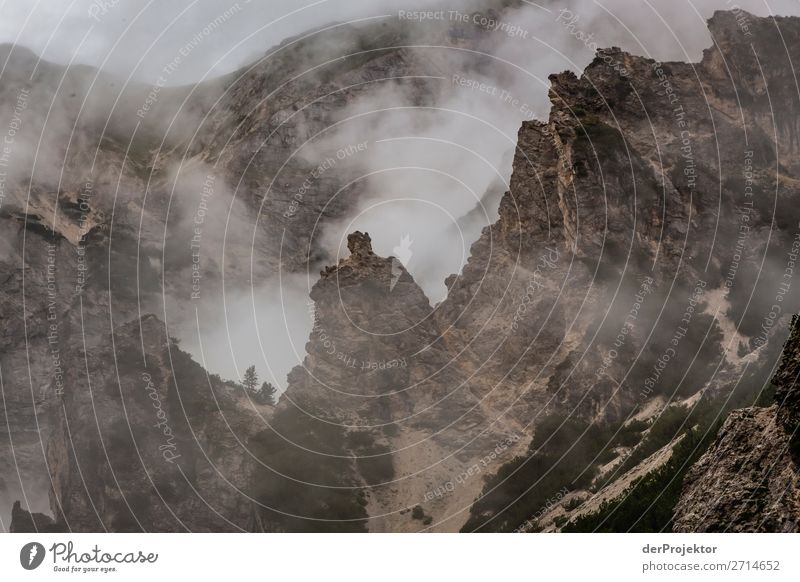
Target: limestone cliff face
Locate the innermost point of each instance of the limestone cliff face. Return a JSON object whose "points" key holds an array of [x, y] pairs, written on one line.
{"points": [[654, 186], [749, 480]]}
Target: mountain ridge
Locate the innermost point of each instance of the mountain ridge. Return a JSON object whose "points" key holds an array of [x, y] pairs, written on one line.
{"points": [[543, 375]]}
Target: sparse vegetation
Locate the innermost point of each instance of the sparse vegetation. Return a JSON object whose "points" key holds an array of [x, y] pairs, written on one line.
{"points": [[250, 380], [564, 452], [648, 504], [570, 454], [266, 394]]}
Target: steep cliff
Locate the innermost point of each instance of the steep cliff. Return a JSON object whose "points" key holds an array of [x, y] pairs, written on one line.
{"points": [[670, 192]]}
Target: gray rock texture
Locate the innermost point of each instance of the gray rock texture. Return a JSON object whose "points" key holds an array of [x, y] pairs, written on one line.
{"points": [[749, 480]]}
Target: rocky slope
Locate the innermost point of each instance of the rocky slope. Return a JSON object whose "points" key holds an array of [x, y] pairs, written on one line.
{"points": [[748, 481]]}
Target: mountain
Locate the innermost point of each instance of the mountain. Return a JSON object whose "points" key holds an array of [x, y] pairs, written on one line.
{"points": [[581, 364], [678, 173]]}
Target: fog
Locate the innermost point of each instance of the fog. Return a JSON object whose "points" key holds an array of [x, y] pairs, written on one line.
{"points": [[138, 37], [434, 173]]}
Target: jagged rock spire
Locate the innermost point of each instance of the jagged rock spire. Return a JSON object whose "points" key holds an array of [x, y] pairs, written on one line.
{"points": [[360, 244]]}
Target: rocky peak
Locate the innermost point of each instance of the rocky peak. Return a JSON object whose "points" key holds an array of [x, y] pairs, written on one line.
{"points": [[362, 263], [360, 244], [364, 285], [763, 75], [732, 26], [337, 417]]}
